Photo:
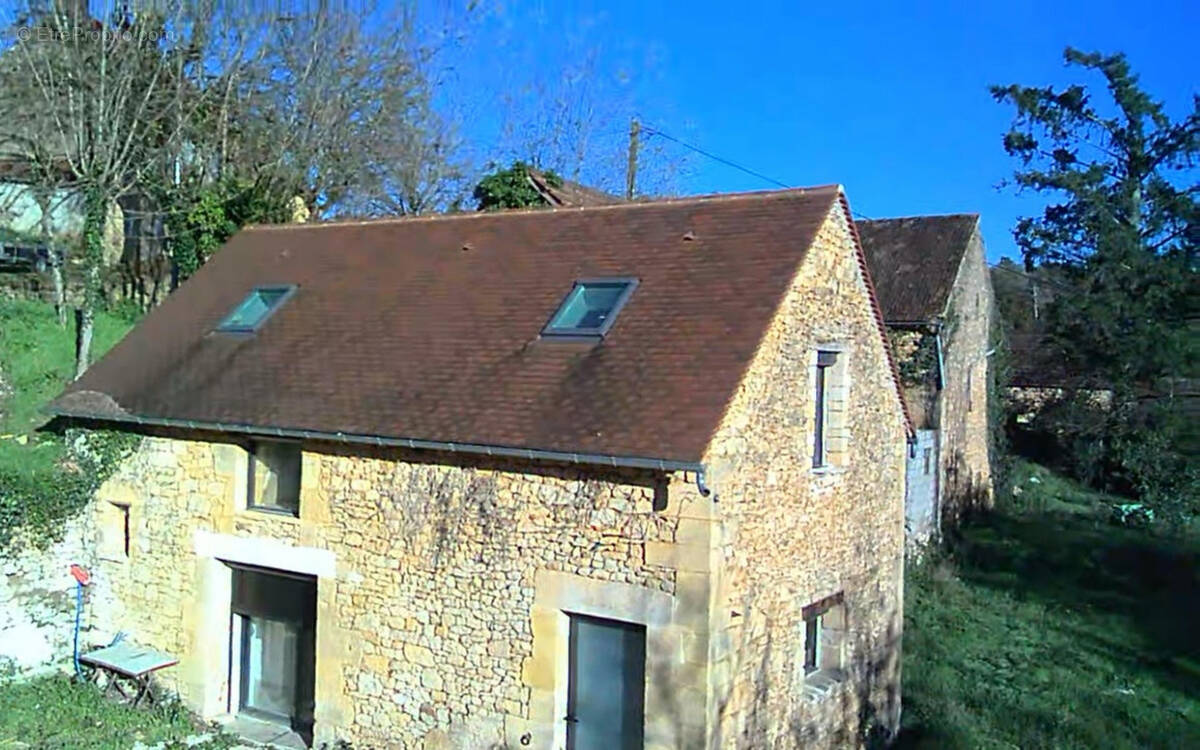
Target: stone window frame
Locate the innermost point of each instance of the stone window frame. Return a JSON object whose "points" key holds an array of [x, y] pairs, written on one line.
{"points": [[838, 385], [212, 627], [832, 631], [246, 496], [115, 531]]}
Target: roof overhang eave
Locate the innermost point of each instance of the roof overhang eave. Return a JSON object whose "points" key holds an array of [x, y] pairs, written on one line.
{"points": [[474, 449]]}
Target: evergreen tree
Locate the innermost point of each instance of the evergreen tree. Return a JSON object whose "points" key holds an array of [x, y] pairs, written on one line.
{"points": [[511, 188], [1123, 222], [1121, 234]]}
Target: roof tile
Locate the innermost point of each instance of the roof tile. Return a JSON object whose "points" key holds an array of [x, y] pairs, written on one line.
{"points": [[396, 331], [914, 262]]}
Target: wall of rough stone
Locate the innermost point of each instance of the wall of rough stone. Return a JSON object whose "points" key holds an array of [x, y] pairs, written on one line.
{"points": [[966, 482], [424, 630], [37, 598], [793, 535]]}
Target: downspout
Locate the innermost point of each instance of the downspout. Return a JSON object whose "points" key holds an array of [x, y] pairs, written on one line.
{"points": [[941, 362], [941, 385]]}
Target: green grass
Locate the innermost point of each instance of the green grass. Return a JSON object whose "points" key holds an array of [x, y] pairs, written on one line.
{"points": [[40, 485], [37, 359], [57, 712], [1051, 628], [37, 356]]}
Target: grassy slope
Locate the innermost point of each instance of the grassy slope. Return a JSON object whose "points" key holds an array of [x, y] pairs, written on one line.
{"points": [[1052, 628], [37, 358], [56, 712]]}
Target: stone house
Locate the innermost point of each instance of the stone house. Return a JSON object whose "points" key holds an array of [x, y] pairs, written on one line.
{"points": [[618, 476], [935, 290]]}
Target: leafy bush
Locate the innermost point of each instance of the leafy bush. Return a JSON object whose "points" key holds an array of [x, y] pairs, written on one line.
{"points": [[1129, 448], [36, 500], [204, 218]]}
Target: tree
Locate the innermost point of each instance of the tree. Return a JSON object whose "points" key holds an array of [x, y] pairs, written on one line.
{"points": [[562, 99], [104, 99], [204, 108], [41, 182], [204, 217], [339, 107], [1124, 221], [1121, 232], [511, 188]]}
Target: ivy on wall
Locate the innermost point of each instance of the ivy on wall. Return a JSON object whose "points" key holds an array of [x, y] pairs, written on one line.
{"points": [[35, 504], [916, 356]]}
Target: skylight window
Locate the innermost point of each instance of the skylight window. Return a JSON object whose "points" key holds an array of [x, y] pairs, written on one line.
{"points": [[256, 308], [590, 308]]}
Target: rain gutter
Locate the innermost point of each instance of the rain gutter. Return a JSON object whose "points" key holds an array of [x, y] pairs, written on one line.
{"points": [[476, 449]]}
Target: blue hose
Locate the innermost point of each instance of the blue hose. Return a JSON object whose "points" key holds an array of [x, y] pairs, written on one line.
{"points": [[78, 614]]}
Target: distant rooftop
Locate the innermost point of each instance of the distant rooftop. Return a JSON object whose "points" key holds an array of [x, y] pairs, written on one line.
{"points": [[914, 262]]}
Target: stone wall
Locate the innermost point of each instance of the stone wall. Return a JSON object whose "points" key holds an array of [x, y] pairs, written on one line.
{"points": [[37, 598], [438, 579], [966, 481], [794, 535]]}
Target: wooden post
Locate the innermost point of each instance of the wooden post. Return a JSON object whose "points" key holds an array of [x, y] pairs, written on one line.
{"points": [[635, 129]]}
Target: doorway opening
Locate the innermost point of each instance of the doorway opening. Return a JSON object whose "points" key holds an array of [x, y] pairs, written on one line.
{"points": [[272, 647]]}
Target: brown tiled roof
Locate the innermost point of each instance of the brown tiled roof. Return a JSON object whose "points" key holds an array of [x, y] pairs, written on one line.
{"points": [[428, 328], [568, 193], [914, 262]]}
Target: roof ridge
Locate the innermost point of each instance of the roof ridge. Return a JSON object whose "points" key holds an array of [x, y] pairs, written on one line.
{"points": [[963, 214], [628, 205]]}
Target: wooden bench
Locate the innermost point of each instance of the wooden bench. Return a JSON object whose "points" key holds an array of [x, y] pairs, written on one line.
{"points": [[127, 663]]}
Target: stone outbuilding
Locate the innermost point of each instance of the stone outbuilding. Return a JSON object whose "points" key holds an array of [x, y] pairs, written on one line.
{"points": [[934, 288], [623, 476]]}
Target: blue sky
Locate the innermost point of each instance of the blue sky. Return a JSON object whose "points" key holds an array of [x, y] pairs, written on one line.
{"points": [[888, 99]]}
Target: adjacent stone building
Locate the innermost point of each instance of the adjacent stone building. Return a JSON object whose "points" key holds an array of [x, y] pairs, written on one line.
{"points": [[610, 477], [935, 291]]}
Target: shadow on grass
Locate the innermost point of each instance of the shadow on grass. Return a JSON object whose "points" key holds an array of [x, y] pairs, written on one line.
{"points": [[1083, 565], [1054, 630]]}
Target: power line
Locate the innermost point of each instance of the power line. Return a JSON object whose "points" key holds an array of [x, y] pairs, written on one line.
{"points": [[651, 130], [1034, 280]]}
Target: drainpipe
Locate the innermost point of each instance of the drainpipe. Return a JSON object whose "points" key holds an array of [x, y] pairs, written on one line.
{"points": [[941, 362]]}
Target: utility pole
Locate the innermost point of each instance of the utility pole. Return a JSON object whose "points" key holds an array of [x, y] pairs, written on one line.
{"points": [[635, 130]]}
